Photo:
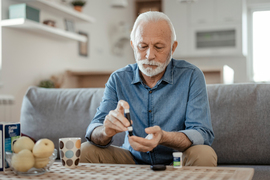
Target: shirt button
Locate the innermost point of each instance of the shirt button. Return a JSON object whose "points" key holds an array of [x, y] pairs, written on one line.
{"points": [[150, 92], [149, 111]]}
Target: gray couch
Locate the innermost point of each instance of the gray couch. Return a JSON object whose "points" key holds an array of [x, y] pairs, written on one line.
{"points": [[240, 116]]}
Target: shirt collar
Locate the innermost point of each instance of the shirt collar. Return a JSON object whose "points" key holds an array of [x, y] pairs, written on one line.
{"points": [[167, 77], [136, 76]]}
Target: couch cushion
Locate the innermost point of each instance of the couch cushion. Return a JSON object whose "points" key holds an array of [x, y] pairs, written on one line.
{"points": [[58, 113], [240, 116]]}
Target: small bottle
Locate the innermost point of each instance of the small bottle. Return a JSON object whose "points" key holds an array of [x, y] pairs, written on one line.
{"points": [[177, 160]]}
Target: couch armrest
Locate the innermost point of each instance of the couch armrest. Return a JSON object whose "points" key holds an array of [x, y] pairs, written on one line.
{"points": [[58, 113]]}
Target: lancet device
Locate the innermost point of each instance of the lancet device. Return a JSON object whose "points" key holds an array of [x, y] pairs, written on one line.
{"points": [[130, 128]]}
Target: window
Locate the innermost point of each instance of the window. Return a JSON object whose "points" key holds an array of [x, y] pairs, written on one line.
{"points": [[260, 45], [0, 42]]}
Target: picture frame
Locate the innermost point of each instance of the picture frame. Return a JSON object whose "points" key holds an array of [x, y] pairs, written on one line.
{"points": [[83, 46], [69, 25], [147, 5]]}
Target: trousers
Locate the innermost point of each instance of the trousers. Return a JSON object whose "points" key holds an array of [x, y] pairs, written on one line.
{"points": [[197, 155]]}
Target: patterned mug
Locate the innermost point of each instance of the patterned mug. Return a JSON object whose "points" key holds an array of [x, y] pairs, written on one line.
{"points": [[70, 151]]}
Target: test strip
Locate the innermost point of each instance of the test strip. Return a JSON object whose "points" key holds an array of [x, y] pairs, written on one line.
{"points": [[130, 129], [149, 136]]}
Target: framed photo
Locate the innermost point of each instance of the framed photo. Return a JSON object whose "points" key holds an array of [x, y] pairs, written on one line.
{"points": [[69, 25], [83, 46], [147, 5]]}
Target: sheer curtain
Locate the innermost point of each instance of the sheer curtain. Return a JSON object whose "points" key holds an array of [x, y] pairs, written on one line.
{"points": [[0, 43], [261, 45]]}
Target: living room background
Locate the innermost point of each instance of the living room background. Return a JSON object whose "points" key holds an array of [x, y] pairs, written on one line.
{"points": [[28, 58]]}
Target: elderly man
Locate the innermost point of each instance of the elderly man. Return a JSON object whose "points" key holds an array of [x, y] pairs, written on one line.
{"points": [[166, 98]]}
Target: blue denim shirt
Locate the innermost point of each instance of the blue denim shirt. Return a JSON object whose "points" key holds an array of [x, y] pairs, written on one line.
{"points": [[178, 102]]}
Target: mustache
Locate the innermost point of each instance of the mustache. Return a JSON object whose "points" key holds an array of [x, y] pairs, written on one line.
{"points": [[147, 62]]}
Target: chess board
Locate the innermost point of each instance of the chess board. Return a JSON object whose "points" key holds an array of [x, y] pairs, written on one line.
{"points": [[135, 172]]}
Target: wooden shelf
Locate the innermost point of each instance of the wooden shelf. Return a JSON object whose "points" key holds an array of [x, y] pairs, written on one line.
{"points": [[86, 73], [86, 79], [32, 25], [60, 10], [218, 75]]}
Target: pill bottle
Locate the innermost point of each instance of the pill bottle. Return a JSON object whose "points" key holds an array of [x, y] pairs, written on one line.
{"points": [[177, 159]]}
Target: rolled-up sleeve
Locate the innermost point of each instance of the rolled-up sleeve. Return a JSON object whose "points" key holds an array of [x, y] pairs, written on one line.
{"points": [[194, 136], [89, 131]]}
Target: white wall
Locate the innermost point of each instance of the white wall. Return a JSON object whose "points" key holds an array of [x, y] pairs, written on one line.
{"points": [[258, 2], [29, 57]]}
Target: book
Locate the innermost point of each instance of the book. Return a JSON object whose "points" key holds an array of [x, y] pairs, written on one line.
{"points": [[9, 133]]}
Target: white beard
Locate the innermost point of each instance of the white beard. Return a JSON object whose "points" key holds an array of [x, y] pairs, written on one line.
{"points": [[149, 71]]}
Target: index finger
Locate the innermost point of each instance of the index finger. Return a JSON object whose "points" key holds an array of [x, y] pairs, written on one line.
{"points": [[121, 105]]}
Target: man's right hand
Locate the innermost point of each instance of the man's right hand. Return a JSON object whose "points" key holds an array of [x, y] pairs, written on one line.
{"points": [[116, 122]]}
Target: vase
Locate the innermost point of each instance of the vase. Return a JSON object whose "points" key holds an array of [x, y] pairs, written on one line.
{"points": [[78, 8]]}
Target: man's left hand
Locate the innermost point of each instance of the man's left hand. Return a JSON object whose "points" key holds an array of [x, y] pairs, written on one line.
{"points": [[145, 145]]}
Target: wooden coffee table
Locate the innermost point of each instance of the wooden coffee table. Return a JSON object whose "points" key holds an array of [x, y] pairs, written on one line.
{"points": [[135, 172]]}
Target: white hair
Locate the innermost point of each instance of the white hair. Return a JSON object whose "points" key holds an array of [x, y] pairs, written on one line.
{"points": [[152, 16]]}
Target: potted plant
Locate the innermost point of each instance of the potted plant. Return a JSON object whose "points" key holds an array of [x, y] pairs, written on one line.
{"points": [[78, 4], [46, 84]]}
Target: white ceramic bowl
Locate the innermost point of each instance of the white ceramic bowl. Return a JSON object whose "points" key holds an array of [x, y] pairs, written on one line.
{"points": [[32, 171]]}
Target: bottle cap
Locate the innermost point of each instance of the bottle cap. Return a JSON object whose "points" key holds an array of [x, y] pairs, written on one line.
{"points": [[177, 154]]}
